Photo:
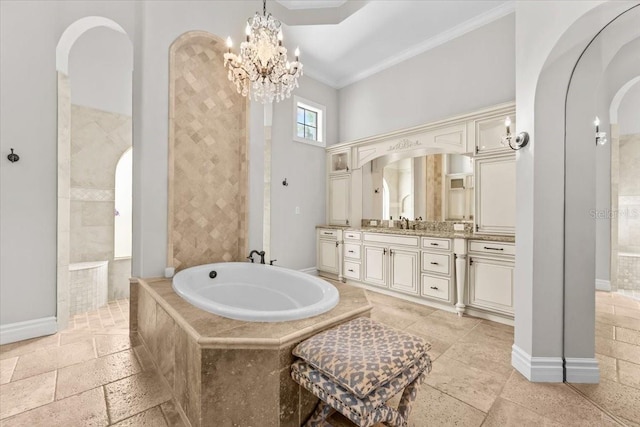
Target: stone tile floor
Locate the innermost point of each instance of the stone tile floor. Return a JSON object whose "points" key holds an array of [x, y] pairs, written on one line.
{"points": [[94, 374], [632, 293]]}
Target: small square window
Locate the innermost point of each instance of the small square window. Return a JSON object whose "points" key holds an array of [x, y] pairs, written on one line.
{"points": [[309, 124]]}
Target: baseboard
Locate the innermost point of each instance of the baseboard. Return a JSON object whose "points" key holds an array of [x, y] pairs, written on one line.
{"points": [[311, 270], [582, 370], [603, 285], [537, 369], [29, 329]]}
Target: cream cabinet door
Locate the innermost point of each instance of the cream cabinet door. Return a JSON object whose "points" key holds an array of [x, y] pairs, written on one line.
{"points": [[491, 284], [495, 183], [404, 266], [489, 133], [375, 265], [339, 190], [327, 259]]}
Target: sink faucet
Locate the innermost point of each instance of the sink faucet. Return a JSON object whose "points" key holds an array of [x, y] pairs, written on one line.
{"points": [[406, 220], [261, 253]]}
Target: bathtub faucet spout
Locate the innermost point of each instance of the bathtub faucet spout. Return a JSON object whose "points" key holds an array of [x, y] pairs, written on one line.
{"points": [[261, 253]]}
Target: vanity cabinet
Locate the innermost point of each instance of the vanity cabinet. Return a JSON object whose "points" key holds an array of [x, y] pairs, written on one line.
{"points": [[491, 270], [403, 274], [437, 269], [495, 180], [487, 133], [339, 199], [352, 255], [392, 262], [339, 162], [328, 254]]}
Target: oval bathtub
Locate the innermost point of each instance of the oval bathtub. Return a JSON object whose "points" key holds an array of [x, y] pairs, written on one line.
{"points": [[255, 292]]}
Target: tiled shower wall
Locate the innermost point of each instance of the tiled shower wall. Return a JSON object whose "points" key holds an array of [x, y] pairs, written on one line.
{"points": [[98, 140], [207, 156]]}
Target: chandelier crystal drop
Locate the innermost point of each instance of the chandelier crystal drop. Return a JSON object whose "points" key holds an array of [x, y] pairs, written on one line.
{"points": [[262, 70]]}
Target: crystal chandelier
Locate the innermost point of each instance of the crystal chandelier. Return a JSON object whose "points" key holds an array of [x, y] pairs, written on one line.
{"points": [[262, 69]]}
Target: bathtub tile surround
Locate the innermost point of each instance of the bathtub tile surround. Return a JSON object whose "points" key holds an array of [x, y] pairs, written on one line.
{"points": [[208, 171], [220, 368]]}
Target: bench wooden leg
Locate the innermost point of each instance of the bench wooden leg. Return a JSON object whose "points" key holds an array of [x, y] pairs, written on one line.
{"points": [[320, 415], [409, 396]]}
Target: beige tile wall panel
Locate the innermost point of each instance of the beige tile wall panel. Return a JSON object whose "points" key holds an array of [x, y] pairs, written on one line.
{"points": [[434, 187], [207, 156]]}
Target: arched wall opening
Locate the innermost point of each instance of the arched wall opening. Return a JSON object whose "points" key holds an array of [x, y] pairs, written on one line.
{"points": [[555, 243], [94, 130]]}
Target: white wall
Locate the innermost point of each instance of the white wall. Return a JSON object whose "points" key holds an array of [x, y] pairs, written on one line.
{"points": [[629, 112], [29, 32], [293, 235], [470, 72], [101, 71]]}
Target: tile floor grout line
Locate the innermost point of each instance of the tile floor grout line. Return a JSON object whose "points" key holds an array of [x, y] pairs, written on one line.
{"points": [[597, 405], [499, 396]]}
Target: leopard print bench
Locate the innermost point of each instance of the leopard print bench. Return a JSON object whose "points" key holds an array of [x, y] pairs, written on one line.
{"points": [[356, 367]]}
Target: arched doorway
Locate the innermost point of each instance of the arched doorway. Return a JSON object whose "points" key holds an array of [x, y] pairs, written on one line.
{"points": [[84, 125], [555, 272]]}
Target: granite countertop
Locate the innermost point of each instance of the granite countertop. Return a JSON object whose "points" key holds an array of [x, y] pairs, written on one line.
{"points": [[426, 233]]}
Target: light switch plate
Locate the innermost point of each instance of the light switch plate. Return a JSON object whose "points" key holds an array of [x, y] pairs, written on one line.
{"points": [[458, 227], [373, 222]]}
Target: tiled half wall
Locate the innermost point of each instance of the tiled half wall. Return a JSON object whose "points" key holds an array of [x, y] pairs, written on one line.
{"points": [[208, 187]]}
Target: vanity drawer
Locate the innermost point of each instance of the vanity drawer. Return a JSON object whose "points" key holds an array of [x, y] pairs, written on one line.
{"points": [[431, 243], [352, 250], [436, 263], [495, 248], [352, 235], [436, 287], [391, 239], [352, 270], [324, 233]]}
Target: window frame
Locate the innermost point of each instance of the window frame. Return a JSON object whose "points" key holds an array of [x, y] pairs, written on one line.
{"points": [[320, 111]]}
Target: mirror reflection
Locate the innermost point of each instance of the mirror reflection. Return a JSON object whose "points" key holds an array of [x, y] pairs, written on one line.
{"points": [[434, 187]]}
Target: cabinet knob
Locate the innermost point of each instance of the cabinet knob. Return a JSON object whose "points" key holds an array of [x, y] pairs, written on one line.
{"points": [[337, 244], [384, 251], [350, 270], [434, 287], [350, 252]]}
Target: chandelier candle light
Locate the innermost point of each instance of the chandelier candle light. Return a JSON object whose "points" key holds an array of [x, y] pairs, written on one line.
{"points": [[262, 69]]}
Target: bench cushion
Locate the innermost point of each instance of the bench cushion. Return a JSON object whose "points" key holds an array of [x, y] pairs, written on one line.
{"points": [[362, 354]]}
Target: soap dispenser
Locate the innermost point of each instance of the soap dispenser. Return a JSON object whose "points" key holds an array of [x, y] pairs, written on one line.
{"points": [[390, 222]]}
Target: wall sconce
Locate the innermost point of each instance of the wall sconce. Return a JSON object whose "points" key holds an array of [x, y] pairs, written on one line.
{"points": [[514, 142], [601, 137]]}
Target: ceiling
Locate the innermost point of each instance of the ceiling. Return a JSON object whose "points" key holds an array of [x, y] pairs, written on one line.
{"points": [[345, 41]]}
